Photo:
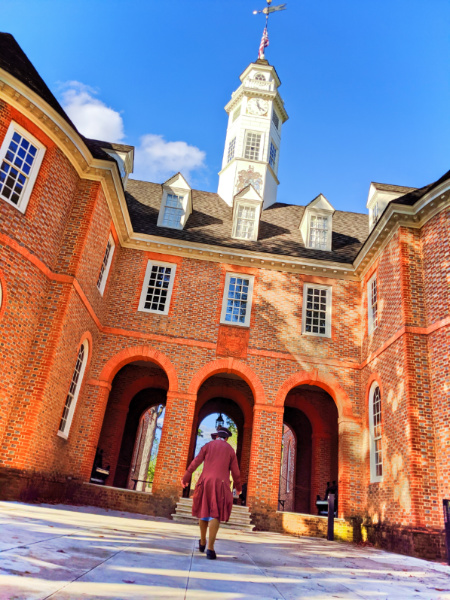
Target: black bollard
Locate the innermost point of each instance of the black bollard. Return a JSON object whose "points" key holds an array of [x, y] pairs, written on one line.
{"points": [[330, 532], [446, 504]]}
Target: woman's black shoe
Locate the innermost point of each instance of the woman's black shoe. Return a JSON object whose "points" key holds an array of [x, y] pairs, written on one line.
{"points": [[211, 555], [201, 546]]}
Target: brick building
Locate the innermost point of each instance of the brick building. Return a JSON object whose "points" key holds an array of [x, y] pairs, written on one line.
{"points": [[118, 295]]}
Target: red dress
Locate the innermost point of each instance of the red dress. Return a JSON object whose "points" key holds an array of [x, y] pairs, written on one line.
{"points": [[212, 496]]}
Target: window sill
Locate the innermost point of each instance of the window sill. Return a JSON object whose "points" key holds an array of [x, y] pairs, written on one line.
{"points": [[62, 435], [242, 325], [154, 312], [317, 335]]}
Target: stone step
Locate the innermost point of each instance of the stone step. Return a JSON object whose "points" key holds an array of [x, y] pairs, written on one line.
{"points": [[238, 510], [190, 520], [240, 517], [233, 518]]}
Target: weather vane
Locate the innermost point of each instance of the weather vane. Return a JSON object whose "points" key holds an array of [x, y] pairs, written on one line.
{"points": [[265, 37]]}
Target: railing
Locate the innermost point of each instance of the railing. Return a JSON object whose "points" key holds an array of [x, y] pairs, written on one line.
{"points": [[259, 84]]}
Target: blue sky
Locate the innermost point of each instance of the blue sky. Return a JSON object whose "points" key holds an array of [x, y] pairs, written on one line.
{"points": [[365, 83]]}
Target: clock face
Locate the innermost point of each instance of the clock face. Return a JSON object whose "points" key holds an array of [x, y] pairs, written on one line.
{"points": [[257, 106]]}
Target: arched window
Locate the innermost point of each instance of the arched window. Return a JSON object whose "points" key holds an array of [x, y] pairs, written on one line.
{"points": [[376, 453], [74, 390]]}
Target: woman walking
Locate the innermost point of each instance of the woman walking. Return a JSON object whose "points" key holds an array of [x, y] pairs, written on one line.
{"points": [[213, 500]]}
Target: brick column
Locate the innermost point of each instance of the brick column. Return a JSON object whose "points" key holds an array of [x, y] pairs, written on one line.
{"points": [[350, 468], [173, 452], [265, 460], [245, 456]]}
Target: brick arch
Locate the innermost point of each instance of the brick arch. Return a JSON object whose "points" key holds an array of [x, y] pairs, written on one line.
{"points": [[236, 396], [314, 417], [229, 365], [135, 353], [146, 382], [326, 382]]}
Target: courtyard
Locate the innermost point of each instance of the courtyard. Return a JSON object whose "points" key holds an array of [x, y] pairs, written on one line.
{"points": [[71, 552]]}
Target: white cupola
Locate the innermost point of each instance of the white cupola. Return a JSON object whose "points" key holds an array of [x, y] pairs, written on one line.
{"points": [[252, 146]]}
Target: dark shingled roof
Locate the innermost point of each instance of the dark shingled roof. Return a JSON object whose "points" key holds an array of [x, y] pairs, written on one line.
{"points": [[211, 223], [14, 60], [388, 187], [416, 194]]}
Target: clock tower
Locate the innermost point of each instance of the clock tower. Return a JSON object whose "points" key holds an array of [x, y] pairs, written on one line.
{"points": [[252, 147]]}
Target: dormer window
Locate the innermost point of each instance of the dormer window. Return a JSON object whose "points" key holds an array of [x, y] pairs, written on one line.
{"points": [[173, 211], [317, 224], [245, 222], [318, 232], [246, 213], [176, 204]]}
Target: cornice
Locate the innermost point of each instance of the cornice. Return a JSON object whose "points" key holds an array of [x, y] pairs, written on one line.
{"points": [[398, 215], [34, 108], [221, 254]]}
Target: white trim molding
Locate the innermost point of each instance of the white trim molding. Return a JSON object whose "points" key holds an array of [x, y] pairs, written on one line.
{"points": [[157, 287], [237, 299], [372, 303]]}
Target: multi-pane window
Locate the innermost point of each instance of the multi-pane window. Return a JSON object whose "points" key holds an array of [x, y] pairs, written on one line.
{"points": [[237, 299], [275, 119], [20, 158], [106, 264], [231, 149], [317, 310], [74, 390], [245, 222], [318, 232], [272, 155], [372, 303], [173, 211], [157, 288], [252, 145], [376, 452]]}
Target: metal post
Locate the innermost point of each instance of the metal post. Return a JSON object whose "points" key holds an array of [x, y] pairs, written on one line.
{"points": [[446, 504], [330, 532]]}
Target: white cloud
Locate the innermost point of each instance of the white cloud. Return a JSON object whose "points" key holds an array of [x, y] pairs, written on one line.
{"points": [[91, 116], [157, 159]]}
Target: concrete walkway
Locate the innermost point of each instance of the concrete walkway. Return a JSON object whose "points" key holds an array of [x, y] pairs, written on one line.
{"points": [[63, 552]]}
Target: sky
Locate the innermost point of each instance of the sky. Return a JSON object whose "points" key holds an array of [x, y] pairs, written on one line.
{"points": [[365, 83]]}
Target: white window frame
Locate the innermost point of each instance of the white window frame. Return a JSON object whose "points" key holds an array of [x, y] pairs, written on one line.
{"points": [[183, 196], [231, 148], [105, 267], [148, 271], [261, 143], [236, 217], [248, 313], [65, 432], [328, 289], [274, 166], [31, 179], [372, 319], [275, 119], [323, 215], [374, 478]]}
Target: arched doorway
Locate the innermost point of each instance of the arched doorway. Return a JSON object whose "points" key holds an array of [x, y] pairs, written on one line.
{"points": [[132, 424], [310, 448], [229, 395]]}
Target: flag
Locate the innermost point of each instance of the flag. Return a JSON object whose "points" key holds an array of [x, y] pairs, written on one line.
{"points": [[264, 43]]}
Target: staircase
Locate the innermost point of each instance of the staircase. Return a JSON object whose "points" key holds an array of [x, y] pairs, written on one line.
{"points": [[240, 516]]}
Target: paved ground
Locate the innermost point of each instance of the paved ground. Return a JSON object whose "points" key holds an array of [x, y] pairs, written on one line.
{"points": [[64, 553]]}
